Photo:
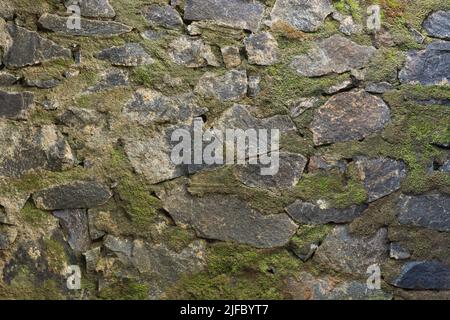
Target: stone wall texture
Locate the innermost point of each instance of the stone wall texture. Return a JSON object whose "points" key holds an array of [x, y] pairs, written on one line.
{"points": [[86, 179]]}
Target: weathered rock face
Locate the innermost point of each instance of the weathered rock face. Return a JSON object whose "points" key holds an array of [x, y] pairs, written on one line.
{"points": [[129, 55], [381, 176], [309, 213], [239, 14], [7, 79], [332, 55], [343, 252], [29, 48], [191, 52], [75, 222], [262, 49], [15, 105], [229, 87], [428, 211], [424, 275], [302, 15], [438, 25], [93, 8], [429, 66], [349, 116], [77, 195], [90, 28], [228, 218], [164, 16], [231, 56]]}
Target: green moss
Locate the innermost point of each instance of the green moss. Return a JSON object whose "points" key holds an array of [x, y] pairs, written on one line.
{"points": [[384, 65], [56, 256], [33, 215], [127, 289]]}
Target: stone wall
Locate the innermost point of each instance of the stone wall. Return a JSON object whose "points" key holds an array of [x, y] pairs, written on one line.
{"points": [[86, 178]]}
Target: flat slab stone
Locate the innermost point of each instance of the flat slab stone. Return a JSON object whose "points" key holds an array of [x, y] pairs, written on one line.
{"points": [[29, 48], [228, 218], [15, 106], [129, 55], [75, 223], [309, 213], [303, 15], [428, 211], [381, 176], [192, 53], [424, 275], [75, 195], [89, 28], [231, 86], [262, 49], [93, 8], [349, 116], [164, 16], [239, 14], [428, 67], [332, 55], [438, 25]]}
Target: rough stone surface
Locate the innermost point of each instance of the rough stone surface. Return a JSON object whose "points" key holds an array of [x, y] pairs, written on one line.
{"points": [[93, 8], [438, 25], [349, 116], [424, 275], [398, 252], [381, 87], [262, 49], [240, 14], [345, 253], [192, 52], [7, 79], [75, 222], [429, 66], [231, 56], [335, 54], [228, 218], [302, 15], [164, 16], [129, 55], [428, 211], [309, 213], [76, 195], [229, 87], [15, 105]]}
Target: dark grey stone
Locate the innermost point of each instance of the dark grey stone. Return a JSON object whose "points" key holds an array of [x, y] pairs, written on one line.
{"points": [[110, 79], [309, 213], [7, 79], [231, 86], [93, 8], [438, 25], [429, 211], [424, 275], [241, 14], [164, 16], [75, 223], [15, 106], [128, 55], [75, 195], [42, 84]]}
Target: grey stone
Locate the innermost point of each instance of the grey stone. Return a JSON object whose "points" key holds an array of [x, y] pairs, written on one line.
{"points": [[15, 106], [397, 252], [231, 56], [262, 49], [332, 55], [89, 28], [339, 87], [25, 149], [7, 79], [118, 245], [349, 254], [231, 86], [326, 163], [429, 211], [92, 257], [93, 8], [227, 218], [29, 48], [381, 176], [445, 167], [438, 25], [110, 79], [164, 16], [346, 24], [128, 55], [349, 116], [192, 53], [303, 15], [41, 83], [75, 223], [74, 195], [299, 106], [254, 85], [380, 87], [428, 67], [306, 252], [239, 14], [309, 213], [424, 275]]}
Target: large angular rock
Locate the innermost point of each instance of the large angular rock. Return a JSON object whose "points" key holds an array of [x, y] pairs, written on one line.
{"points": [[345, 253], [429, 211], [349, 116], [164, 16], [93, 8], [29, 48], [75, 195], [309, 213], [239, 14], [24, 149], [428, 67], [332, 55], [15, 106], [149, 107], [128, 55], [303, 15], [424, 275], [262, 49], [75, 223], [89, 28], [381, 176], [192, 53], [438, 25], [231, 86], [227, 218]]}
